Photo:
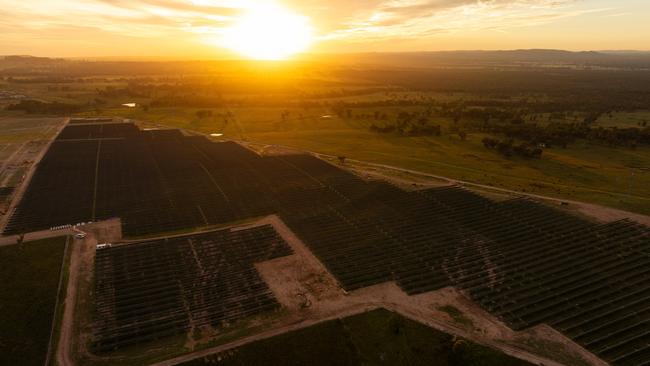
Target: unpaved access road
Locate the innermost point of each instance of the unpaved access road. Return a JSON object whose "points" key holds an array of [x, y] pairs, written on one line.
{"points": [[311, 295], [80, 257]]}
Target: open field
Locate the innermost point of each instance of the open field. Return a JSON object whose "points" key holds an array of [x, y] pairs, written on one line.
{"points": [[373, 338], [28, 294]]}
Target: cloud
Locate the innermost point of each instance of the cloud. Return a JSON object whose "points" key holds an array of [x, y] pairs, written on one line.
{"points": [[334, 20], [412, 18]]}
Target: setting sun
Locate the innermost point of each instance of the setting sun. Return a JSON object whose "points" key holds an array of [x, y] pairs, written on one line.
{"points": [[268, 33]]}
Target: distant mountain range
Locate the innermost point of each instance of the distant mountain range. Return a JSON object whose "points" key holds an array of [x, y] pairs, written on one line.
{"points": [[506, 58], [530, 57]]}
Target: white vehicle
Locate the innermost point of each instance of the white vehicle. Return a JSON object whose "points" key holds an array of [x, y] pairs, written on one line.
{"points": [[80, 235], [104, 246]]}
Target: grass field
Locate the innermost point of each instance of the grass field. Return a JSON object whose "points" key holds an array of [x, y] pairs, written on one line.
{"points": [[375, 338], [28, 291], [614, 177]]}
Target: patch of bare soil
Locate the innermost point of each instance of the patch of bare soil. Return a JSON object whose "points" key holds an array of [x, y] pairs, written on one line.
{"points": [[107, 231], [80, 275], [309, 294], [405, 181], [272, 150], [606, 214], [298, 281], [550, 336]]}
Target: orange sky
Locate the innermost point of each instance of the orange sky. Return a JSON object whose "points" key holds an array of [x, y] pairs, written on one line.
{"points": [[191, 28]]}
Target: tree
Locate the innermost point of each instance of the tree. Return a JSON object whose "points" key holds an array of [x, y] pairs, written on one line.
{"points": [[203, 114]]}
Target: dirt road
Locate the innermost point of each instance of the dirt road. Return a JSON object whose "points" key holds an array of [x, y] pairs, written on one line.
{"points": [[82, 252], [311, 295]]}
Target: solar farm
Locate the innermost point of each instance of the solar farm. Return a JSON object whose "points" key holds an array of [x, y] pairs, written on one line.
{"points": [[520, 260], [152, 289]]}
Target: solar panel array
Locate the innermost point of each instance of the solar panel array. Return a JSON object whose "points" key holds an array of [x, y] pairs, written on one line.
{"points": [[155, 289], [525, 262]]}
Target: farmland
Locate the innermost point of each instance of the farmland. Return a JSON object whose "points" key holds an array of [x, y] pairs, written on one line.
{"points": [[28, 294]]}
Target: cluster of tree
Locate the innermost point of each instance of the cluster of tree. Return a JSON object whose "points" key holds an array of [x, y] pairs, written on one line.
{"points": [[614, 136], [553, 134], [563, 89], [562, 134], [132, 90], [408, 124], [347, 92], [39, 80], [508, 148], [203, 114], [408, 130], [38, 107]]}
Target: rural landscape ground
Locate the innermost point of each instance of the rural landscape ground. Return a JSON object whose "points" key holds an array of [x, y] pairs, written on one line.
{"points": [[356, 213]]}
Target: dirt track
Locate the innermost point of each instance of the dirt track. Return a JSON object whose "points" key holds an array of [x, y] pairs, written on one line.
{"points": [[80, 269], [63, 349], [311, 295], [81, 259]]}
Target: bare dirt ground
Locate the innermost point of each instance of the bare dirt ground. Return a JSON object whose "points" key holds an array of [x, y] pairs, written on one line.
{"points": [[75, 325], [310, 294], [272, 150], [105, 231], [81, 259], [606, 214]]}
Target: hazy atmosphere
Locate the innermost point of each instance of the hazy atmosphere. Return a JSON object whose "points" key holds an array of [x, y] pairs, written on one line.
{"points": [[199, 28], [325, 183]]}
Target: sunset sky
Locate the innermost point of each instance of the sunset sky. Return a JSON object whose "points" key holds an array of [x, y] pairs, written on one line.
{"points": [[213, 28]]}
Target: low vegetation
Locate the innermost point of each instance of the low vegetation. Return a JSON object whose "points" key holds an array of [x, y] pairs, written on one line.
{"points": [[378, 337], [28, 293], [457, 315], [38, 107]]}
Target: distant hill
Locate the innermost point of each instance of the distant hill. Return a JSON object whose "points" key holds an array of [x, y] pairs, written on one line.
{"points": [[43, 66], [531, 57]]}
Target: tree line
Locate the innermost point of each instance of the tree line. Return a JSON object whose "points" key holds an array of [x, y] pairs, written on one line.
{"points": [[38, 107]]}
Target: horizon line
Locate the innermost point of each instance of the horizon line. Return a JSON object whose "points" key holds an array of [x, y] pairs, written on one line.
{"points": [[297, 57]]}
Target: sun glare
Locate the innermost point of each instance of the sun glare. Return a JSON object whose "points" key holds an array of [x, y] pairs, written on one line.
{"points": [[269, 33]]}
